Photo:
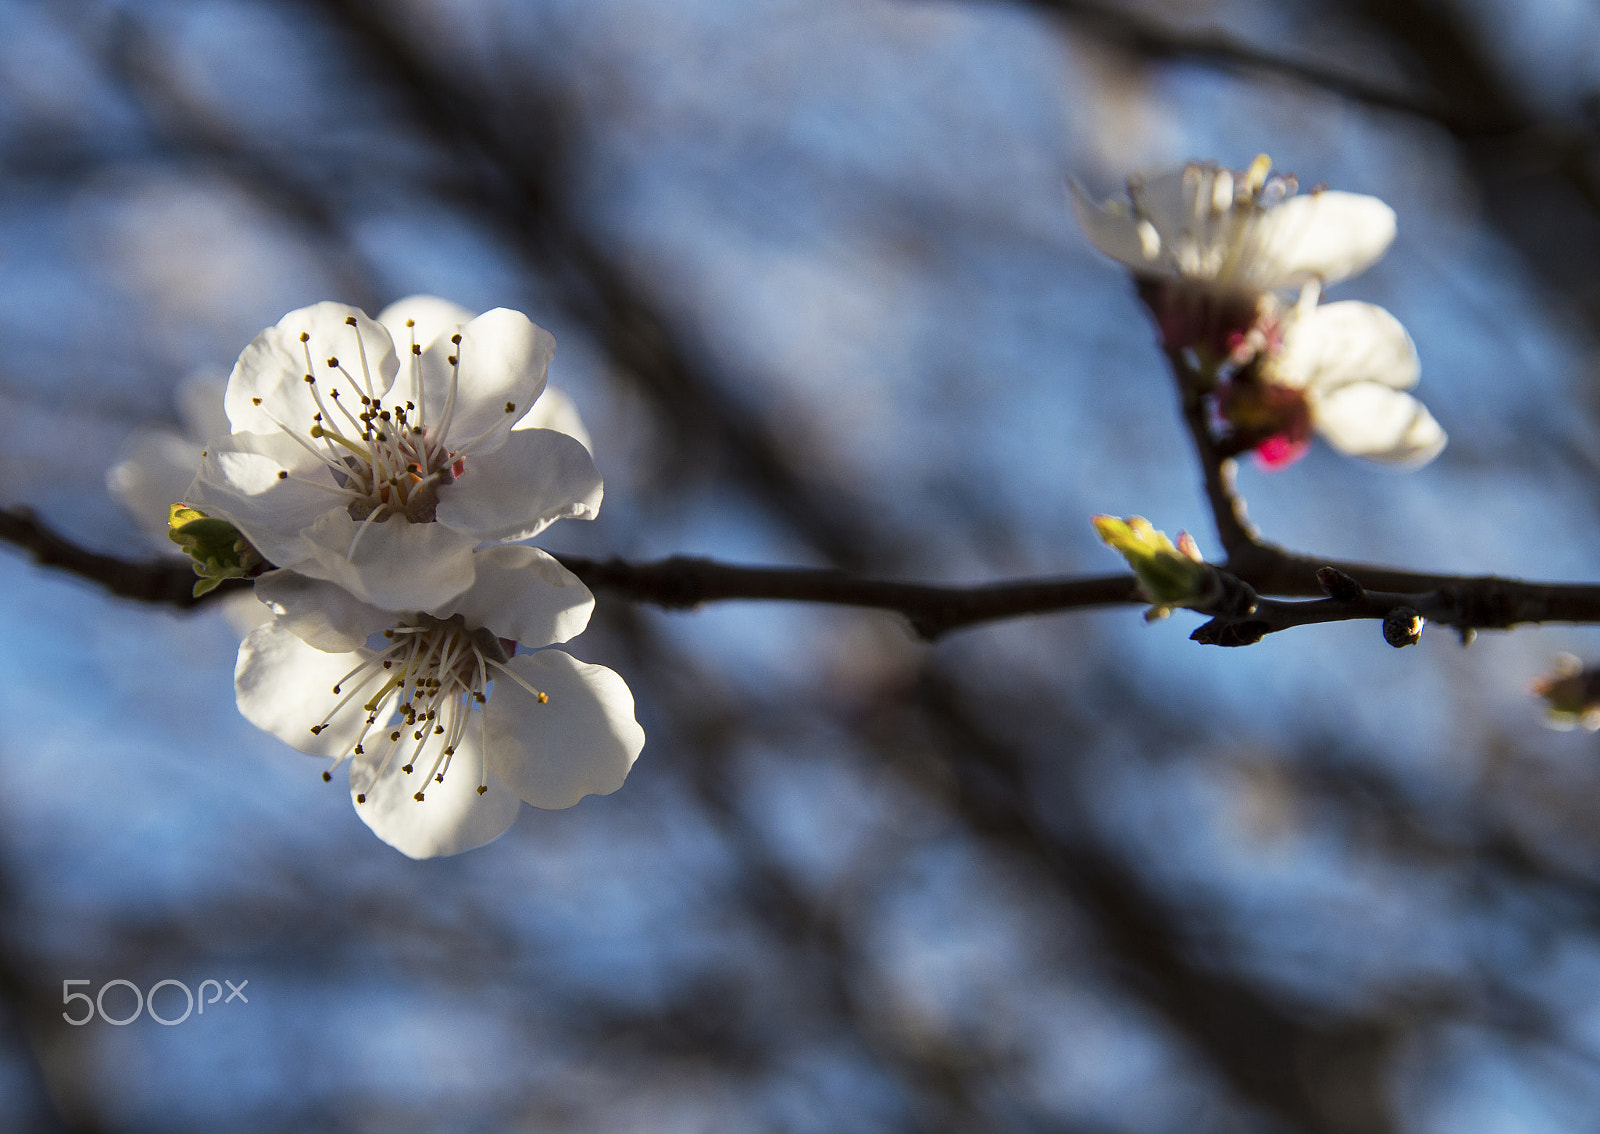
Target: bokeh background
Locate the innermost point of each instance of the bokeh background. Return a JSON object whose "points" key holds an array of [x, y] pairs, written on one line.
{"points": [[820, 301]]}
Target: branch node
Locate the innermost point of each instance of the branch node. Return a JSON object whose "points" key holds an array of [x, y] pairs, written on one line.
{"points": [[1339, 586]]}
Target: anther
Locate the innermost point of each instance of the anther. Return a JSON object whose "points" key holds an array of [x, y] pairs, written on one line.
{"points": [[482, 788], [332, 362], [395, 735], [511, 407], [544, 698], [451, 359], [415, 349], [361, 799], [255, 401], [304, 337], [316, 728], [282, 475], [456, 338], [326, 776], [349, 320], [439, 779], [411, 322], [418, 797], [358, 750], [406, 768]]}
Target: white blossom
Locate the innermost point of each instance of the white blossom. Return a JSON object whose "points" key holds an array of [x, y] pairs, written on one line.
{"points": [[1240, 233], [1353, 363], [349, 467], [447, 728]]}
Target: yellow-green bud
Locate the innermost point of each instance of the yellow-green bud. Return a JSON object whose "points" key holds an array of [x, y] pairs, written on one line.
{"points": [[1169, 574], [216, 548]]}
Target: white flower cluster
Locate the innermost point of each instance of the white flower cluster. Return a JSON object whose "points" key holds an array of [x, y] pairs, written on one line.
{"points": [[388, 469], [1216, 251]]}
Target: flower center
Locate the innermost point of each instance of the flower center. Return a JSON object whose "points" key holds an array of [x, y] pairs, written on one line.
{"points": [[1215, 240], [386, 459], [424, 690]]}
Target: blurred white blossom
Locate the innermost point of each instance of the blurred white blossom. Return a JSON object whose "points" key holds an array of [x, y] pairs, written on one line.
{"points": [[1245, 232], [1210, 246], [1352, 363]]}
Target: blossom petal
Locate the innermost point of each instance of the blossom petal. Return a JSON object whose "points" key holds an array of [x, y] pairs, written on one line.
{"points": [[430, 316], [555, 410], [450, 818], [395, 565], [1367, 419], [522, 593], [238, 480], [1113, 229], [285, 687], [155, 471], [537, 477], [267, 389], [323, 615], [581, 742], [1337, 344], [504, 358], [1327, 236]]}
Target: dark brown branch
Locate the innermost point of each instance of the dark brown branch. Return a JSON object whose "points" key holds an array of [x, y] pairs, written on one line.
{"points": [[164, 581], [1227, 509], [1154, 39], [682, 581]]}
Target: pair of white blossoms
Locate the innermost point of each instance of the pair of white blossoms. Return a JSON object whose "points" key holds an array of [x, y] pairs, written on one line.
{"points": [[387, 469], [1215, 249]]}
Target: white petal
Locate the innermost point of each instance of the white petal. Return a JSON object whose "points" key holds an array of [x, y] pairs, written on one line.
{"points": [[523, 594], [431, 317], [1339, 343], [1327, 236], [243, 613], [273, 369], [504, 358], [323, 615], [450, 818], [581, 742], [1114, 230], [555, 410], [285, 687], [238, 480], [395, 565], [537, 477], [156, 468], [1176, 199], [1380, 423], [200, 405]]}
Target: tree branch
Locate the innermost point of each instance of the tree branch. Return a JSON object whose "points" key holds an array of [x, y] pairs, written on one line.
{"points": [[681, 582], [163, 581]]}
